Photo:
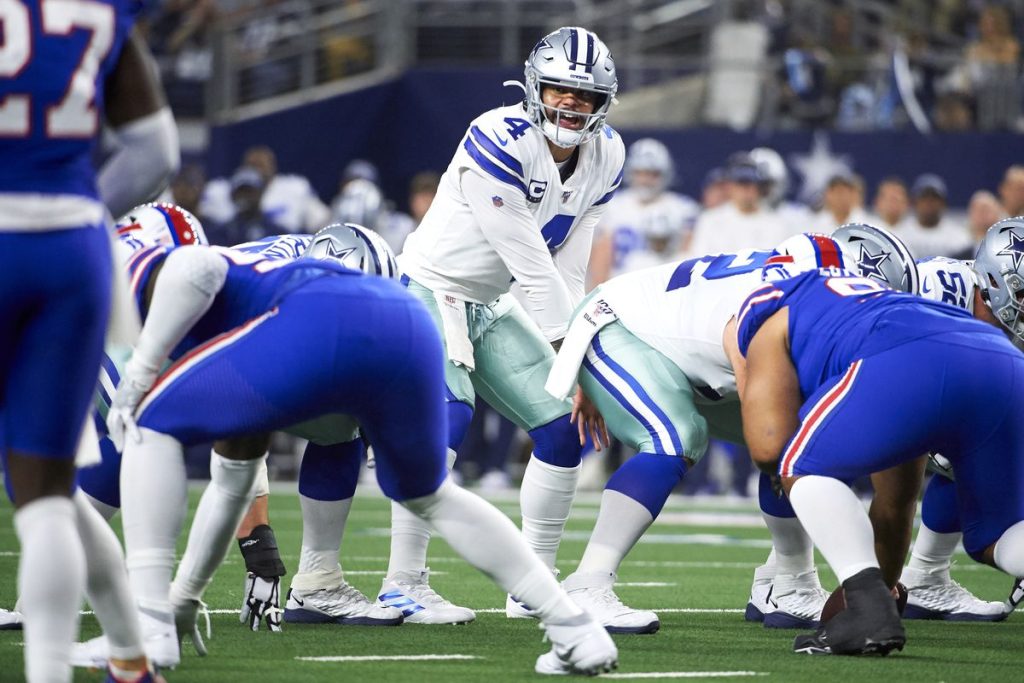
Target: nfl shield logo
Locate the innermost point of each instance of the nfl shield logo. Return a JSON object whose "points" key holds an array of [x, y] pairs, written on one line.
{"points": [[566, 195], [497, 201]]}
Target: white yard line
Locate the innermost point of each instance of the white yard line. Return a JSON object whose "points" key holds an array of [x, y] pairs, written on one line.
{"points": [[387, 658], [683, 674]]}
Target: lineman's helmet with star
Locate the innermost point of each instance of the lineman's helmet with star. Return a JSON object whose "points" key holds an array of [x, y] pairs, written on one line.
{"points": [[997, 268], [355, 247]]}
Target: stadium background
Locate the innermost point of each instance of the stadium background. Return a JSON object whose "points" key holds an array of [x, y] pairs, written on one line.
{"points": [[876, 88]]}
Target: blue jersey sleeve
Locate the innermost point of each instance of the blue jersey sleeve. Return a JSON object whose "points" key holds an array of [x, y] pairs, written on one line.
{"points": [[762, 303]]}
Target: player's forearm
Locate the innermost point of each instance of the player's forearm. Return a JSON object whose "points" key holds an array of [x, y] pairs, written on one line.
{"points": [[892, 513], [146, 159], [185, 289]]}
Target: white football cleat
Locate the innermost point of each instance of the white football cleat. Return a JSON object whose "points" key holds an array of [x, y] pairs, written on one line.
{"points": [[795, 601], [410, 592], [518, 610], [342, 604], [932, 596], [582, 647], [159, 641], [10, 620], [594, 593], [757, 604], [1016, 596]]}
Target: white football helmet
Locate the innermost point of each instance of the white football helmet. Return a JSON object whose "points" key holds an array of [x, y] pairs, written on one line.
{"points": [[159, 223], [648, 154], [360, 202], [803, 252], [570, 57], [999, 270], [879, 255], [773, 168], [355, 247]]}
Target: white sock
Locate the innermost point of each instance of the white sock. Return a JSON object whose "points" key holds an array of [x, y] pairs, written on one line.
{"points": [[836, 521], [1009, 551], [154, 499], [323, 527], [51, 581], [489, 541], [107, 581], [933, 553], [621, 521], [410, 536], [107, 512], [792, 549], [221, 509], [766, 572], [546, 499]]}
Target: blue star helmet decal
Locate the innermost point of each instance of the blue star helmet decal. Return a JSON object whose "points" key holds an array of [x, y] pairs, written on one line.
{"points": [[869, 264], [1014, 249]]}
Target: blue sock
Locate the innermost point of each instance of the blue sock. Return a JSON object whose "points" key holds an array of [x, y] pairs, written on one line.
{"points": [[772, 504], [557, 443], [330, 472], [648, 478], [939, 511]]}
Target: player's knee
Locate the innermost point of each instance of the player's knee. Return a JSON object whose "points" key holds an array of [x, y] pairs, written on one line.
{"points": [[1007, 553], [557, 443], [330, 472], [460, 414]]}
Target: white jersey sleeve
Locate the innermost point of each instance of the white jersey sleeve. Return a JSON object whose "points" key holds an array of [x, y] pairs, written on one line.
{"points": [[277, 246], [949, 281]]}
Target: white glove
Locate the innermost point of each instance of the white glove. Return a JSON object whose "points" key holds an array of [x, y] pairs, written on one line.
{"points": [[136, 382], [262, 601]]}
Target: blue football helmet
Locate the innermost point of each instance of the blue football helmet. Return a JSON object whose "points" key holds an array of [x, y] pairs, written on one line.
{"points": [[355, 247]]}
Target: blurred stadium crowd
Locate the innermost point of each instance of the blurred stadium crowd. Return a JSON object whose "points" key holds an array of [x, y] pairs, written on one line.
{"points": [[855, 66]]}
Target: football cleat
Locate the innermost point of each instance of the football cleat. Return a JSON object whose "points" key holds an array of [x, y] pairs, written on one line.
{"points": [[870, 624], [1016, 596], [342, 604], [594, 593], [514, 609], [580, 647], [410, 592], [794, 601], [159, 641], [10, 620], [760, 591], [147, 677], [941, 598]]}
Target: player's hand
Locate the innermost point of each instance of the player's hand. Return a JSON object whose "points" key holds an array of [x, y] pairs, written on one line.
{"points": [[136, 382], [262, 602], [588, 420]]}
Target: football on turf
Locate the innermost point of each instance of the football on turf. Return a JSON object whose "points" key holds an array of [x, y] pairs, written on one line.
{"points": [[836, 602]]}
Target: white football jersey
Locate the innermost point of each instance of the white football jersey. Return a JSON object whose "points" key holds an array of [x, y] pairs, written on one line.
{"points": [[681, 309], [520, 220], [632, 223], [949, 281]]}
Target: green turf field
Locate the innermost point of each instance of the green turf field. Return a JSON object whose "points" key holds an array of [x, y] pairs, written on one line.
{"points": [[694, 568]]}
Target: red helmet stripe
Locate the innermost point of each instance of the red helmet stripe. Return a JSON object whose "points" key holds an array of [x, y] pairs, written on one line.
{"points": [[828, 250]]}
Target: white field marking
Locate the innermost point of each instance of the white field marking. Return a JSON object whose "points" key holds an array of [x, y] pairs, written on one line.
{"points": [[387, 658], [684, 674], [646, 584], [659, 610], [651, 539]]}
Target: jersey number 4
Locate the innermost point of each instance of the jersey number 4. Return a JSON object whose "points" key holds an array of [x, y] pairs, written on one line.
{"points": [[75, 115]]}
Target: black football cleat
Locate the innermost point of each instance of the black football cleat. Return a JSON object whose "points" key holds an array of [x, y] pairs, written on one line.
{"points": [[870, 624]]}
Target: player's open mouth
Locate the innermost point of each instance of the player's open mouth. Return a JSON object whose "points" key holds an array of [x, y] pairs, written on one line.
{"points": [[570, 121]]}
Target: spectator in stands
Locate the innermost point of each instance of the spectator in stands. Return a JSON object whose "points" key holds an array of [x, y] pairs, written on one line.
{"points": [[842, 203], [187, 189], [248, 222], [422, 189], [991, 63], [714, 190], [360, 168], [1011, 191], [178, 33], [982, 211], [891, 205], [288, 202], [930, 232], [794, 216], [360, 201], [742, 222]]}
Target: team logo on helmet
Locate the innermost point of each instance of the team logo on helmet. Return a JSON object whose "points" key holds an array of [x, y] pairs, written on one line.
{"points": [[1014, 249], [870, 264]]}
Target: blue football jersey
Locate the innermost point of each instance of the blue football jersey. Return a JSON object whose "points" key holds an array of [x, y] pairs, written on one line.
{"points": [[57, 56], [253, 286], [836, 317]]}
